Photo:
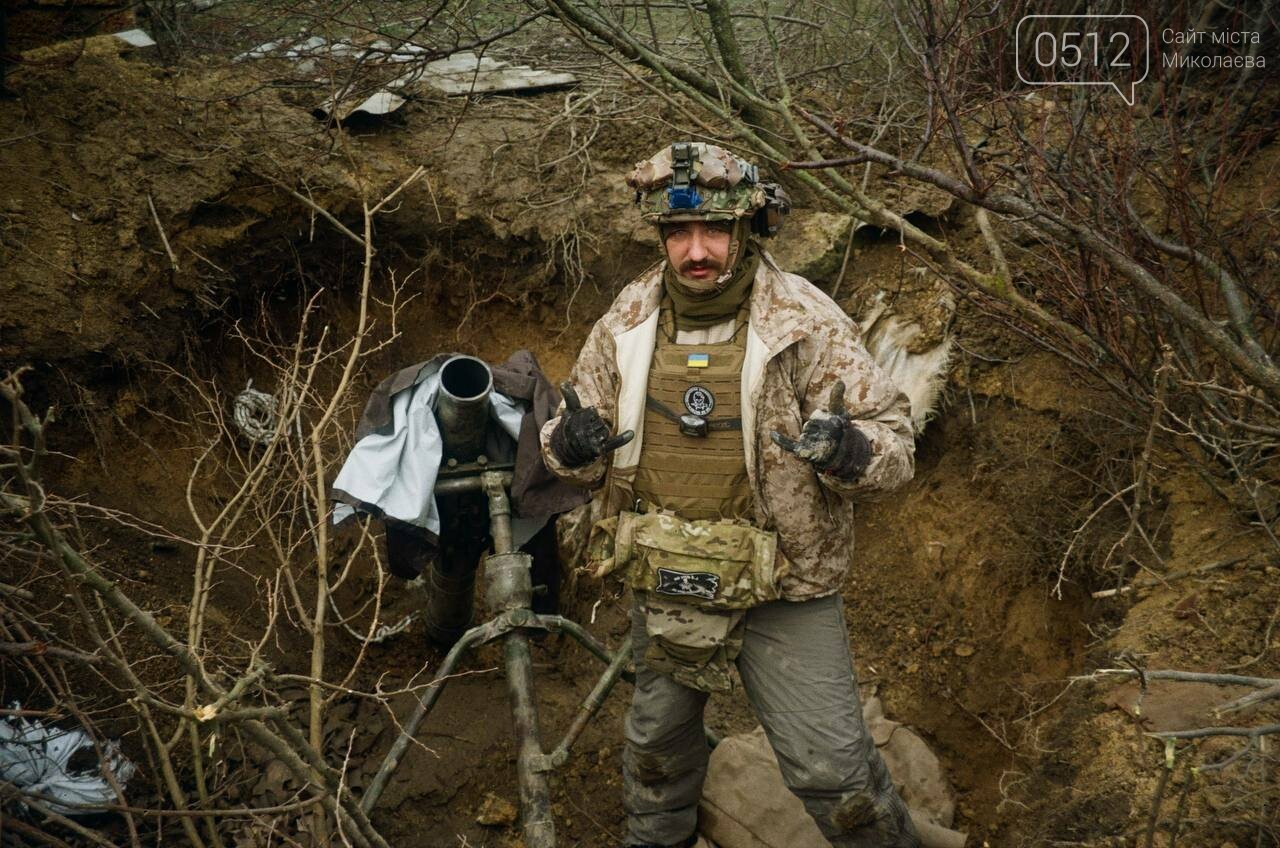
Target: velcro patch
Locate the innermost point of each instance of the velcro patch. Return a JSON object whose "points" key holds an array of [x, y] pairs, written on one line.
{"points": [[695, 584]]}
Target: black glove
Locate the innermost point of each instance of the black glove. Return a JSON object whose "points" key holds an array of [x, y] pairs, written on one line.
{"points": [[582, 436], [830, 441]]}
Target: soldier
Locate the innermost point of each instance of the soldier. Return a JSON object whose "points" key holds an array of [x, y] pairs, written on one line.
{"points": [[750, 420]]}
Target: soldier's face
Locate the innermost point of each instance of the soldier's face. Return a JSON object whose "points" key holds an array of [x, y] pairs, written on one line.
{"points": [[698, 250]]}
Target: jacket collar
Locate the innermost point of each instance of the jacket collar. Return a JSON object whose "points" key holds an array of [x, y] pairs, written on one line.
{"points": [[774, 315]]}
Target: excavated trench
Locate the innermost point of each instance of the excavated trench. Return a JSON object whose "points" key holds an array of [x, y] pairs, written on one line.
{"points": [[160, 253], [129, 315], [951, 622]]}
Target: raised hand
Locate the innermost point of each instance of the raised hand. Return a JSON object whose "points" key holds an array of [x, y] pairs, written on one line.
{"points": [[828, 440], [582, 435], [820, 436]]}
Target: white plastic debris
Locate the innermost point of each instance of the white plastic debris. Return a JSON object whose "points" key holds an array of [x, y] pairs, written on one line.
{"points": [[136, 38], [381, 102], [463, 73], [37, 759]]}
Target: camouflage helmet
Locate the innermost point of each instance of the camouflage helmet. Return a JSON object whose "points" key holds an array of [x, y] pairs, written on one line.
{"points": [[691, 181]]}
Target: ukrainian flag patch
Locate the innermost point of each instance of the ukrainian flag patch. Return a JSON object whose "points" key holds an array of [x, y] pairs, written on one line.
{"points": [[699, 360]]}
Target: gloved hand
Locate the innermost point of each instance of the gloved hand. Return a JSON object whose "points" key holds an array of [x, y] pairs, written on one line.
{"points": [[582, 436], [829, 440]]}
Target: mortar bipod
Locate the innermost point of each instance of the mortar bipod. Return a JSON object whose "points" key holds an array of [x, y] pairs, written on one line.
{"points": [[509, 591]]}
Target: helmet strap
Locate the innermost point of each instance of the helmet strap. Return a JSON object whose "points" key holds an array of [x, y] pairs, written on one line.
{"points": [[738, 237]]}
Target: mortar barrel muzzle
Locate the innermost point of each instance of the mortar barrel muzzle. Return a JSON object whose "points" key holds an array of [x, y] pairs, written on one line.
{"points": [[462, 406]]}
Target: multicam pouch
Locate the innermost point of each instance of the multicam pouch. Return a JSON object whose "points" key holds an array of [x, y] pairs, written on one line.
{"points": [[694, 581], [720, 565], [693, 645]]}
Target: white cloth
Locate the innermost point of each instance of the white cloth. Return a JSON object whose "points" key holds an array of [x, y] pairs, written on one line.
{"points": [[396, 472], [37, 758]]}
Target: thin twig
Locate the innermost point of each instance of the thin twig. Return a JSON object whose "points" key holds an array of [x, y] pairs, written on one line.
{"points": [[1184, 676], [1169, 578], [324, 213], [173, 260], [1202, 732], [19, 649], [17, 592], [1251, 699]]}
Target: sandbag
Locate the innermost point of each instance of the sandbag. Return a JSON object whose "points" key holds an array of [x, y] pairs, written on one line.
{"points": [[745, 804], [917, 773]]}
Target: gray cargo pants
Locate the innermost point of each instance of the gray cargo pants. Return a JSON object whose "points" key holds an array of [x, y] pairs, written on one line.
{"points": [[798, 674]]}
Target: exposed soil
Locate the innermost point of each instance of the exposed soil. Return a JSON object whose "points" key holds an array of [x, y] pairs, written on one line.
{"points": [[951, 603]]}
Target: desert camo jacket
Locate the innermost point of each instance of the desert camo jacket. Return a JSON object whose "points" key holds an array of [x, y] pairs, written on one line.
{"points": [[799, 342]]}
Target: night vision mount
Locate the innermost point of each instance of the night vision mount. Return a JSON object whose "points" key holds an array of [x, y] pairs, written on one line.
{"points": [[683, 193]]}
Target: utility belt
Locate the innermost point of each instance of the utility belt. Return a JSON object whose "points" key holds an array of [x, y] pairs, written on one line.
{"points": [[694, 581], [715, 564]]}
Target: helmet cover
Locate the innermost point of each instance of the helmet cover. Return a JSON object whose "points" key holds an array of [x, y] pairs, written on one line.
{"points": [[692, 181]]}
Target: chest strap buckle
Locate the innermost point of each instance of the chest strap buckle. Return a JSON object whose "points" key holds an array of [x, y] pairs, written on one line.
{"points": [[693, 425]]}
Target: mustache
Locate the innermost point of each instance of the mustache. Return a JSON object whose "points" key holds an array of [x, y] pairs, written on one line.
{"points": [[687, 266]]}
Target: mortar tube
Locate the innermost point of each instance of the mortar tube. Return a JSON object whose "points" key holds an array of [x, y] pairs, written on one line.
{"points": [[449, 607], [462, 406]]}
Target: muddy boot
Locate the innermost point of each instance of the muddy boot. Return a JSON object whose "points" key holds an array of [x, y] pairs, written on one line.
{"points": [[865, 821]]}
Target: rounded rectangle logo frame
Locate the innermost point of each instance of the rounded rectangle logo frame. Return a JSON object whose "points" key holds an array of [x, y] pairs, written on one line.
{"points": [[1126, 89]]}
